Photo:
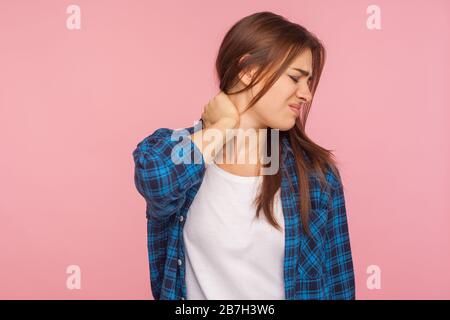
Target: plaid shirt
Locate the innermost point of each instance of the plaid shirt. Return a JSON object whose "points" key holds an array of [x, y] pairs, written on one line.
{"points": [[317, 267]]}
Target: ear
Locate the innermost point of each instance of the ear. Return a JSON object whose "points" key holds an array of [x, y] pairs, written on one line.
{"points": [[248, 73]]}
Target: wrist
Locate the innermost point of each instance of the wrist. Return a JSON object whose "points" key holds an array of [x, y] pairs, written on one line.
{"points": [[226, 123]]}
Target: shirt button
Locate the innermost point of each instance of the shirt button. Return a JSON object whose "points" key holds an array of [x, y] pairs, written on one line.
{"points": [[179, 262], [181, 218]]}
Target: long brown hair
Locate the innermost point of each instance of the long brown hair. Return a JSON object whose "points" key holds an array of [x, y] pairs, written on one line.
{"points": [[266, 39]]}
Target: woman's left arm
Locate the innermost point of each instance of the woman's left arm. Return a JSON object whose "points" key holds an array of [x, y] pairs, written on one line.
{"points": [[339, 262]]}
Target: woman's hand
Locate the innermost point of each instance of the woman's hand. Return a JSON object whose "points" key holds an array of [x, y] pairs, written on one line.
{"points": [[220, 109]]}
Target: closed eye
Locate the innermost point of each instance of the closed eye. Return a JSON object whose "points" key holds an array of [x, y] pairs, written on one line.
{"points": [[294, 79]]}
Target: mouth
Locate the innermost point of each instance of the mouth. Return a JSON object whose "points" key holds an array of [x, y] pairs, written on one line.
{"points": [[295, 108]]}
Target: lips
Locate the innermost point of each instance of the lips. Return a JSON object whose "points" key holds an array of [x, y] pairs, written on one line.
{"points": [[295, 108]]}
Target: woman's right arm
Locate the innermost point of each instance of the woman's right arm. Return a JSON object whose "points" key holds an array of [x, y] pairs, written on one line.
{"points": [[161, 178], [162, 182]]}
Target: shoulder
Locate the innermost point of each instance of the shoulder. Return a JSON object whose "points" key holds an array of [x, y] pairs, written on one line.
{"points": [[333, 177]]}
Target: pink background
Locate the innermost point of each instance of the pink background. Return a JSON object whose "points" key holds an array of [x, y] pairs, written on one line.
{"points": [[74, 104]]}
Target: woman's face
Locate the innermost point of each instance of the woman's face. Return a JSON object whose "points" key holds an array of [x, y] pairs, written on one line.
{"points": [[292, 87]]}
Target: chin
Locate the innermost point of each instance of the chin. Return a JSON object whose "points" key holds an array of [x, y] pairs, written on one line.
{"points": [[285, 125]]}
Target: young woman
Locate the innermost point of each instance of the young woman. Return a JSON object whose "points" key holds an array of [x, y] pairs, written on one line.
{"points": [[224, 230]]}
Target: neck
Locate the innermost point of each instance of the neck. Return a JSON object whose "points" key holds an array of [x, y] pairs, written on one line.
{"points": [[249, 139]]}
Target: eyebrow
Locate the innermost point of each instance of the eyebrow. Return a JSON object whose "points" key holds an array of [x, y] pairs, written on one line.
{"points": [[304, 72]]}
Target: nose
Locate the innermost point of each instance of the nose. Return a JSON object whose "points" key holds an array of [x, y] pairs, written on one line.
{"points": [[303, 94]]}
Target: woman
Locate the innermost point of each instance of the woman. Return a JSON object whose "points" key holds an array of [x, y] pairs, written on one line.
{"points": [[206, 236]]}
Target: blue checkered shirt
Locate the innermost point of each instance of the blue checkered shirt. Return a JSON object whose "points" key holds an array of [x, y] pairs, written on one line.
{"points": [[317, 267]]}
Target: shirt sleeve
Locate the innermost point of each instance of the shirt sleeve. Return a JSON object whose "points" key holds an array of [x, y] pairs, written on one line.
{"points": [[339, 263], [165, 169]]}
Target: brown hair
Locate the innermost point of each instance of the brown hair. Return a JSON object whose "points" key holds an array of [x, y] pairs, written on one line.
{"points": [[265, 39]]}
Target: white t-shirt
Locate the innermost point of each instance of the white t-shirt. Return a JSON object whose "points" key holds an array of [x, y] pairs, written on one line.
{"points": [[229, 253]]}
